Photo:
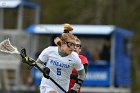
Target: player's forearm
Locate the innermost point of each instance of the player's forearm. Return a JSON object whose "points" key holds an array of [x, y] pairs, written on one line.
{"points": [[45, 69], [40, 63], [79, 81], [81, 74], [75, 76], [86, 68]]}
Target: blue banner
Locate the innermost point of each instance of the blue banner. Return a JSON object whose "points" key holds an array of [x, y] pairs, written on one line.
{"points": [[37, 76], [97, 77]]}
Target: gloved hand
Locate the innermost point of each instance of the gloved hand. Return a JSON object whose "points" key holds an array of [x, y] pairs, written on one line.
{"points": [[72, 91], [46, 72], [26, 59]]}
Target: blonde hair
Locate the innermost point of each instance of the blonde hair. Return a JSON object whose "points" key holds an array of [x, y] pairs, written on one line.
{"points": [[77, 39], [66, 35]]}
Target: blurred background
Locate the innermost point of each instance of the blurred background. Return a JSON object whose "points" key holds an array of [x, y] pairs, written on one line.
{"points": [[108, 29]]}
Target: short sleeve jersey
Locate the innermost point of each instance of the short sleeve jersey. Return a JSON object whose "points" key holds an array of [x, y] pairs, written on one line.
{"points": [[60, 67]]}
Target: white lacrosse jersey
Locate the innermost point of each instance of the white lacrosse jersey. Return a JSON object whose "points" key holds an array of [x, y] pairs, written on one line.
{"points": [[60, 67]]}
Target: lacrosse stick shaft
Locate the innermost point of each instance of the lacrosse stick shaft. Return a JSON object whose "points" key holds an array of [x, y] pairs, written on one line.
{"points": [[51, 79]]}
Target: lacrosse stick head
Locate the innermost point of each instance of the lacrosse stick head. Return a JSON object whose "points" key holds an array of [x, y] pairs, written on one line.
{"points": [[6, 47]]}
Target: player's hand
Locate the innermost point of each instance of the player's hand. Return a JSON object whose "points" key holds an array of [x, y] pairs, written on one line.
{"points": [[26, 59], [72, 91], [46, 72]]}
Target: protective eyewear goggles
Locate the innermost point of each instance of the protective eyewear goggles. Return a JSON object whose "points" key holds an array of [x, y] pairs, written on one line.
{"points": [[72, 45]]}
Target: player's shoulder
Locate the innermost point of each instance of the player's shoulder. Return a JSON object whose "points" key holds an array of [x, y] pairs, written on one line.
{"points": [[52, 47], [74, 55], [82, 56], [83, 59]]}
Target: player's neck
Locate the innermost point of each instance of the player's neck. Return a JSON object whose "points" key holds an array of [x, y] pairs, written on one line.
{"points": [[62, 54]]}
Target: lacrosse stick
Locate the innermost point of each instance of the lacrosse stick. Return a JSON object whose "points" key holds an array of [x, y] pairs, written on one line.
{"points": [[6, 47]]}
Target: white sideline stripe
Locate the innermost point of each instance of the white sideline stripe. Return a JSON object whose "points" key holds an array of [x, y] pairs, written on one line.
{"points": [[105, 90], [9, 3], [82, 29]]}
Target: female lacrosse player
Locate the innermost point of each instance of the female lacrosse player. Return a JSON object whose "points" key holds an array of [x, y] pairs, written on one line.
{"points": [[84, 60], [60, 60]]}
